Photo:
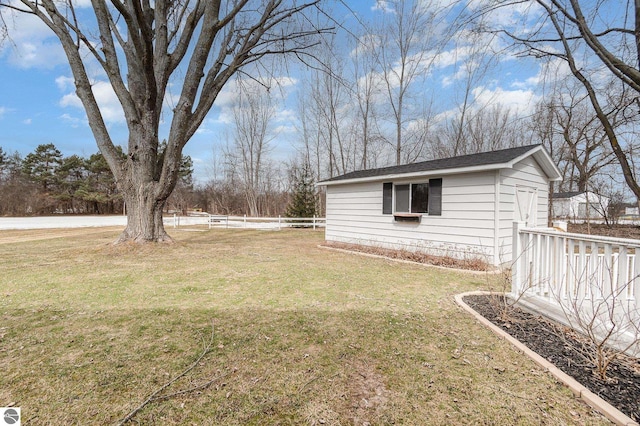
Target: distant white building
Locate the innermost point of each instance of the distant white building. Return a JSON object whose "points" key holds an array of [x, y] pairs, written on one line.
{"points": [[631, 211], [573, 205]]}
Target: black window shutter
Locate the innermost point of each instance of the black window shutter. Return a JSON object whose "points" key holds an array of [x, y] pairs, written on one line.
{"points": [[435, 197], [387, 198]]}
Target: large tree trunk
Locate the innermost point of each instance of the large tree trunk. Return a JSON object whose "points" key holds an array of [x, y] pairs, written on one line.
{"points": [[145, 188], [144, 216]]}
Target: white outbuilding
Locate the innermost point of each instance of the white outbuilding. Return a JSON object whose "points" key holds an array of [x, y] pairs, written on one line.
{"points": [[579, 205], [462, 207]]}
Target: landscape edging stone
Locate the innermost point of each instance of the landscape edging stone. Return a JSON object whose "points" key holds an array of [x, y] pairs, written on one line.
{"points": [[580, 391]]}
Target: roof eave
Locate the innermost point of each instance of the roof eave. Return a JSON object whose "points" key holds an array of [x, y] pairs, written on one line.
{"points": [[539, 154], [425, 173]]}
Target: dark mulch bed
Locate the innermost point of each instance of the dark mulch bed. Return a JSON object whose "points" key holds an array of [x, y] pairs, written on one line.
{"points": [[557, 345]]}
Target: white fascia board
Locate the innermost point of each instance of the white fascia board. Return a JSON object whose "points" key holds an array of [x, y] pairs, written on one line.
{"points": [[426, 173], [544, 160]]}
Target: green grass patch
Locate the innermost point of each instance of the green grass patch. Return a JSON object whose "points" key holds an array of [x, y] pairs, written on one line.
{"points": [[301, 335]]}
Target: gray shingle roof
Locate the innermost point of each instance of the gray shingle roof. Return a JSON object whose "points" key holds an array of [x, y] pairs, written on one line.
{"points": [[472, 160]]}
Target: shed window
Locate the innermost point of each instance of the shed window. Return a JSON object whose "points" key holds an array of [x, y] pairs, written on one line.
{"points": [[413, 197], [402, 198], [420, 198]]}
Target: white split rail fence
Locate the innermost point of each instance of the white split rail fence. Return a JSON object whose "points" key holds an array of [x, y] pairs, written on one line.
{"points": [[272, 223]]}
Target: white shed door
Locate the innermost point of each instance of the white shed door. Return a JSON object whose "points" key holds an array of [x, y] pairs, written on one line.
{"points": [[526, 205]]}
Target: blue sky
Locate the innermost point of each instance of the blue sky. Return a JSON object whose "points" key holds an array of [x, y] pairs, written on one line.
{"points": [[37, 104]]}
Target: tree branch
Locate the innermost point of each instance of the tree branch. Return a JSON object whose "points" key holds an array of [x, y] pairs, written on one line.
{"points": [[154, 395]]}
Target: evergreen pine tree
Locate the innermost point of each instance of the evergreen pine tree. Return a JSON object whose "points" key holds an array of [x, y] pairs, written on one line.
{"points": [[304, 200]]}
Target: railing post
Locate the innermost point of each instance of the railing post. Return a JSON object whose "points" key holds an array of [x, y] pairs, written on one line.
{"points": [[516, 253]]}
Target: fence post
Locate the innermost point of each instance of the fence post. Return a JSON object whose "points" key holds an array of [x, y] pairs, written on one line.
{"points": [[279, 223], [314, 222], [175, 220], [244, 220], [516, 253]]}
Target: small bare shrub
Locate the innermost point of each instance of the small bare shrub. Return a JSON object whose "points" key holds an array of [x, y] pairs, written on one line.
{"points": [[603, 316]]}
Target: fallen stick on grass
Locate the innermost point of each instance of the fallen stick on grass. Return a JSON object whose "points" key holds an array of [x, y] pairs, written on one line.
{"points": [[154, 396]]}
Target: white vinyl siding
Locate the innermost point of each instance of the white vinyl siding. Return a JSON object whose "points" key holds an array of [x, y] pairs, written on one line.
{"points": [[528, 174], [468, 226], [465, 228], [478, 208]]}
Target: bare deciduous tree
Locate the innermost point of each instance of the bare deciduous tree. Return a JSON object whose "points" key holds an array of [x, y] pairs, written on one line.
{"points": [[407, 48], [366, 88], [485, 129], [252, 115], [142, 47], [594, 39], [587, 148]]}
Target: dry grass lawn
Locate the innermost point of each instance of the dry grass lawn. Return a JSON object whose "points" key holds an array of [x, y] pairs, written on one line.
{"points": [[301, 336]]}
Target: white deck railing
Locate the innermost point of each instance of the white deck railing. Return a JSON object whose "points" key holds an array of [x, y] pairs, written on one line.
{"points": [[585, 278]]}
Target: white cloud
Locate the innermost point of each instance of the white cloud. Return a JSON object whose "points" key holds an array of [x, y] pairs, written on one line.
{"points": [[202, 130], [33, 44], [107, 101], [279, 89], [366, 45], [518, 101], [437, 4], [383, 6], [519, 16], [461, 73], [64, 83], [225, 116], [37, 54], [75, 122], [27, 121], [70, 100], [521, 101], [284, 130], [451, 57], [286, 115], [82, 3], [3, 111]]}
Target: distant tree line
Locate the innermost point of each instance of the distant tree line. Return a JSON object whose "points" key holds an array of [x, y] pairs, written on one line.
{"points": [[47, 182]]}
